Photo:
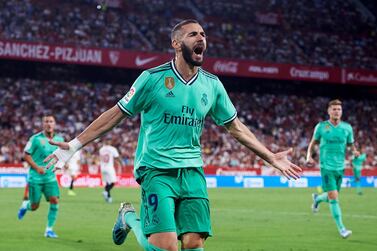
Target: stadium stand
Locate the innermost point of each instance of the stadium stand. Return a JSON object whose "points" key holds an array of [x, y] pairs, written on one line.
{"points": [[281, 31], [279, 120]]}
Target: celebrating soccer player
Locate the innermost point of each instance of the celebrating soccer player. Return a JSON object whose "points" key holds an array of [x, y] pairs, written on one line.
{"points": [[333, 136], [173, 100]]}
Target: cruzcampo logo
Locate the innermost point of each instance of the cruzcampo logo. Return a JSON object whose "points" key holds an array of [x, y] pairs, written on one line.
{"points": [[169, 83], [204, 99]]}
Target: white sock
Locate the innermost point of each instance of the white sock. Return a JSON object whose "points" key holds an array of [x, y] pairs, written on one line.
{"points": [[24, 203]]}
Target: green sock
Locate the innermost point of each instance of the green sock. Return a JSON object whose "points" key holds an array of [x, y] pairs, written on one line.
{"points": [[52, 214], [322, 198], [134, 223], [336, 214], [193, 249], [358, 186]]}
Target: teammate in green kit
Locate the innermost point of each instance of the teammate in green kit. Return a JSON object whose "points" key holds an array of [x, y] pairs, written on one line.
{"points": [[173, 100], [333, 137], [357, 164], [41, 180]]}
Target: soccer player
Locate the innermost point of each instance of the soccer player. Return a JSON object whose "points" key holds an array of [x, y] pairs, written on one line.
{"points": [[73, 169], [173, 100], [357, 164], [41, 180], [109, 155], [333, 137]]}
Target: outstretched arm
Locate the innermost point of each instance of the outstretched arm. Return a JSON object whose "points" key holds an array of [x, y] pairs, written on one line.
{"points": [[277, 160], [100, 126]]}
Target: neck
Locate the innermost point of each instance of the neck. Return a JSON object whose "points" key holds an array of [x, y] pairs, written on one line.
{"points": [[335, 121], [49, 134], [186, 70]]}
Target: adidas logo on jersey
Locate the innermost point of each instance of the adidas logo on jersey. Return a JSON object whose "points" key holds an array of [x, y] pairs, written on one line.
{"points": [[170, 94]]}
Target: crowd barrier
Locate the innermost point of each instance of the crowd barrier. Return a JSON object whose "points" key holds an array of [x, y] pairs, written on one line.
{"points": [[213, 181]]}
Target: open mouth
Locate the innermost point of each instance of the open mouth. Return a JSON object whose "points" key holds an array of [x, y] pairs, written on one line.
{"points": [[199, 49]]}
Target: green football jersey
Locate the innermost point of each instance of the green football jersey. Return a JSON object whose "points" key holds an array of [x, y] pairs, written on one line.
{"points": [[333, 143], [173, 112], [357, 162], [39, 148]]}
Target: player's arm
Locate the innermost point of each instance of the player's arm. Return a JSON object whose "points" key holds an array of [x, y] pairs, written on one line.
{"points": [[100, 126], [118, 162], [354, 150], [104, 123], [32, 164], [277, 160], [309, 153]]}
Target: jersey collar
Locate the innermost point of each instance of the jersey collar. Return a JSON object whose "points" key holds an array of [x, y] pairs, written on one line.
{"points": [[189, 82], [335, 126]]}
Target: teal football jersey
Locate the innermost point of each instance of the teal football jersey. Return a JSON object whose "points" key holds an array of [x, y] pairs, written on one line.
{"points": [[173, 112], [39, 148], [333, 141]]}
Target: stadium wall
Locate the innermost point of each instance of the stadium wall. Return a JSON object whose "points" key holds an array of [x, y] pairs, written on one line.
{"points": [[55, 53]]}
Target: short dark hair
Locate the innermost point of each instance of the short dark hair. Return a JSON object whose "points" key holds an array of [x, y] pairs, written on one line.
{"points": [[179, 25], [47, 115], [335, 102]]}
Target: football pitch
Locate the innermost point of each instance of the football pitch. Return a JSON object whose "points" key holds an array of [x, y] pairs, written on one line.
{"points": [[242, 220]]}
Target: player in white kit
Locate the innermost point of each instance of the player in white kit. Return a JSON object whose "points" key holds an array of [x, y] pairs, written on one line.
{"points": [[73, 168], [109, 155]]}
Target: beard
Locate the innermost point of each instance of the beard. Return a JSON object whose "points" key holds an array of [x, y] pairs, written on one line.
{"points": [[187, 56]]}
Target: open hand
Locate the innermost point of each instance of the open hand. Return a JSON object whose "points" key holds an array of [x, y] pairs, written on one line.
{"points": [[288, 169]]}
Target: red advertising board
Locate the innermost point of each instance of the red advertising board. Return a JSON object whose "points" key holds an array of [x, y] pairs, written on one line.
{"points": [[43, 52]]}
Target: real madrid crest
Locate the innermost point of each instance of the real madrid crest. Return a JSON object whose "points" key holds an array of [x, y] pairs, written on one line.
{"points": [[169, 83]]}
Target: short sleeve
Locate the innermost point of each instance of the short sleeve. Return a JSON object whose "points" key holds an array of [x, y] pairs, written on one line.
{"points": [[350, 139], [363, 157], [317, 132], [222, 110], [30, 146], [137, 98], [115, 153]]}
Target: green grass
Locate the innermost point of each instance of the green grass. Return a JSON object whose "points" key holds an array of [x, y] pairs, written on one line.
{"points": [[242, 220]]}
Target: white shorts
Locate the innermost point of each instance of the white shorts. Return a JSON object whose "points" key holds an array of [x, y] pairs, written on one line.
{"points": [[108, 176]]}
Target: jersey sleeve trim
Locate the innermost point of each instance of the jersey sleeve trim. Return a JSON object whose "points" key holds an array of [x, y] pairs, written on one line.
{"points": [[124, 110], [230, 119]]}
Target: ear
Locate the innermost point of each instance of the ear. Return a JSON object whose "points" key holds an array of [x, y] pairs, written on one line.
{"points": [[175, 44]]}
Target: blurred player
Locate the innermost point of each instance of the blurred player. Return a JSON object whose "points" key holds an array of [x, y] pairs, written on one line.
{"points": [[42, 181], [357, 164], [173, 100], [109, 157], [73, 169], [333, 136]]}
